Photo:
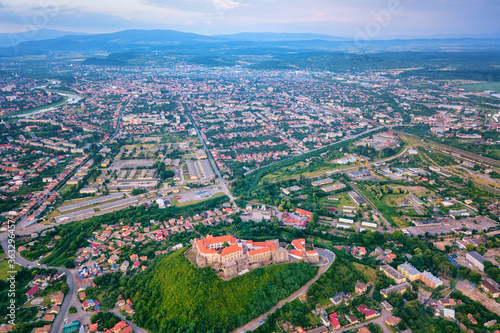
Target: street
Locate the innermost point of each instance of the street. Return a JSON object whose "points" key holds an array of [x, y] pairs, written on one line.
{"points": [[252, 325], [57, 325]]}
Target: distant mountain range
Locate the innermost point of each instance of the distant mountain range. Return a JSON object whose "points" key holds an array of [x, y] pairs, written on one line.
{"points": [[44, 41], [274, 37], [13, 39]]}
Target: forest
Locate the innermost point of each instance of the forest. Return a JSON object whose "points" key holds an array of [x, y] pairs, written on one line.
{"points": [[173, 295]]}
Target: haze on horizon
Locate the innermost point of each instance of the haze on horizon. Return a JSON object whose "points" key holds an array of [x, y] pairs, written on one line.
{"points": [[343, 18]]}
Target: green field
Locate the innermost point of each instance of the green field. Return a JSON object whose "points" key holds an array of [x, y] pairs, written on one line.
{"points": [[390, 213], [495, 86], [369, 272], [4, 269], [174, 295]]}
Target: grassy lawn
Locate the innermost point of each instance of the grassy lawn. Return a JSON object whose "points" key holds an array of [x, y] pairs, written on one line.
{"points": [[389, 213], [192, 202], [369, 273], [4, 269], [294, 171], [345, 200]]}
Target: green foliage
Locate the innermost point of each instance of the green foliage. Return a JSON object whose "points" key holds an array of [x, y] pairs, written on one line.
{"points": [[174, 295], [494, 174], [137, 191], [106, 320], [480, 313], [341, 276]]}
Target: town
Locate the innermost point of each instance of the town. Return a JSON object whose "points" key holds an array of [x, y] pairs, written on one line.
{"points": [[291, 200]]}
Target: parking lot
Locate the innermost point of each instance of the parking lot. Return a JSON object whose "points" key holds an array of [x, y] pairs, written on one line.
{"points": [[471, 223], [197, 194]]}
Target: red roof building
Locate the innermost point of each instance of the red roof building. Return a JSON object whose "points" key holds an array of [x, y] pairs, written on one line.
{"points": [[298, 244], [32, 291], [304, 213]]}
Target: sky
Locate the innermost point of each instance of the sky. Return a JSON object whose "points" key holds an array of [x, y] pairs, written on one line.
{"points": [[375, 19]]}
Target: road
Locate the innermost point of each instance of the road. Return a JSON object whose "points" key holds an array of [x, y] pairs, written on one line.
{"points": [[252, 325], [222, 182], [57, 325], [118, 121]]}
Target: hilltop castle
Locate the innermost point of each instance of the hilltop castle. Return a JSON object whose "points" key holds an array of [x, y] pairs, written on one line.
{"points": [[236, 256]]}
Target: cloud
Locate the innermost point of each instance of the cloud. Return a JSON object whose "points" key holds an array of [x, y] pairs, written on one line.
{"points": [[225, 4], [225, 16], [134, 10]]}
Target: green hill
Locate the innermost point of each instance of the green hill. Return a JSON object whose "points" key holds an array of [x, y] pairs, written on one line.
{"points": [[173, 295]]}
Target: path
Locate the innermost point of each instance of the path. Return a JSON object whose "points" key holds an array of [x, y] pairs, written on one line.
{"points": [[252, 325]]}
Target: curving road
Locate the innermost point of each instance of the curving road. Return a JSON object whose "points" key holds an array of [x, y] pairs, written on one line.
{"points": [[57, 325], [328, 255]]}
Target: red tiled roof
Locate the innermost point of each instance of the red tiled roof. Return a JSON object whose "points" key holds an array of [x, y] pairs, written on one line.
{"points": [[296, 253], [303, 212], [127, 329], [335, 322], [299, 244], [220, 239], [261, 250], [231, 249], [202, 247], [270, 245], [120, 325], [32, 291]]}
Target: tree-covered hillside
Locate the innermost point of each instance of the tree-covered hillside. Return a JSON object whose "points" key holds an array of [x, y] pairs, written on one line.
{"points": [[175, 296]]}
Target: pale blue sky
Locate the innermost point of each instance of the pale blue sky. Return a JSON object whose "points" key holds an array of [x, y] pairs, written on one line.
{"points": [[345, 18]]}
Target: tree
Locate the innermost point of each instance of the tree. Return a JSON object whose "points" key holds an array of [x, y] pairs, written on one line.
{"points": [[396, 234], [469, 247], [453, 283], [475, 277], [65, 288]]}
